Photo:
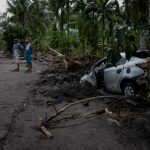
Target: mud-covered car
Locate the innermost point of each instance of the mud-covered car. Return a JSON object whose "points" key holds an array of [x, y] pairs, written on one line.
{"points": [[128, 77]]}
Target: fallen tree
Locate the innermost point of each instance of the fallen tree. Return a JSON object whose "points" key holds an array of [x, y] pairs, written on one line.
{"points": [[70, 64]]}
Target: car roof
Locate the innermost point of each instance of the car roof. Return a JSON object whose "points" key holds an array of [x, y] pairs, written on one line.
{"points": [[123, 55]]}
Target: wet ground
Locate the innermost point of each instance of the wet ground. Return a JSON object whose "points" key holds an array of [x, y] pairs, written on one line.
{"points": [[25, 97]]}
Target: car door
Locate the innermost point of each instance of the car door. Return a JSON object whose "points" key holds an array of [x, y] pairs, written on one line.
{"points": [[91, 76], [99, 72], [113, 75]]}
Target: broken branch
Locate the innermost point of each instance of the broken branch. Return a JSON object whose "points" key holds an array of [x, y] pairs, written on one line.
{"points": [[70, 64], [74, 103], [56, 52]]}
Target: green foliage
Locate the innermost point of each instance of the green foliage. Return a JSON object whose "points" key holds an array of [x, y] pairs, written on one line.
{"points": [[11, 32], [136, 12], [54, 39], [124, 39], [29, 14], [2, 42], [69, 44], [85, 26], [65, 46], [96, 23]]}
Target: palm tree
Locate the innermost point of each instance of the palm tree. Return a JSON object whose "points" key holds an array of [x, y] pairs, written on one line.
{"points": [[28, 14], [18, 9], [37, 18], [80, 22], [97, 16]]}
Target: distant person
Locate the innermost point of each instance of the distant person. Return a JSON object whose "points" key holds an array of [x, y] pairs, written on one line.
{"points": [[16, 52], [28, 55]]}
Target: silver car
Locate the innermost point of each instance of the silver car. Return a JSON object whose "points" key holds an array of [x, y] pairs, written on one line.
{"points": [[128, 77]]}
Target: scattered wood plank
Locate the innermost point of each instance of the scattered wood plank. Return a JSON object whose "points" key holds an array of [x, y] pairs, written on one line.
{"points": [[124, 114], [98, 112], [46, 132], [111, 114], [108, 112], [111, 121]]}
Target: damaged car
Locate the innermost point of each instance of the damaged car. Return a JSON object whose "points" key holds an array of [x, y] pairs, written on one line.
{"points": [[127, 76]]}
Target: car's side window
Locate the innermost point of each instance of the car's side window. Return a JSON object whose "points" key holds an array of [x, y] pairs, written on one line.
{"points": [[121, 61]]}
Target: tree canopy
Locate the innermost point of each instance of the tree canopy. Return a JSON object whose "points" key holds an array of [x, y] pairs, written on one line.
{"points": [[78, 26]]}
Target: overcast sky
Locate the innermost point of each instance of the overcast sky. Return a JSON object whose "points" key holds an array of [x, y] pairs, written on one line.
{"points": [[3, 5]]}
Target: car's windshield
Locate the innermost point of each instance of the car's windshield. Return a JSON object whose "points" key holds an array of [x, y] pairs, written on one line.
{"points": [[100, 67]]}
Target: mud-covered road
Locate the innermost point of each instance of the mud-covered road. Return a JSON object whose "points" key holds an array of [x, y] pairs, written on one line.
{"points": [[22, 103], [14, 99]]}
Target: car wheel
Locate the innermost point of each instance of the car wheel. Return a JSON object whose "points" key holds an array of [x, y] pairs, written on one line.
{"points": [[129, 89]]}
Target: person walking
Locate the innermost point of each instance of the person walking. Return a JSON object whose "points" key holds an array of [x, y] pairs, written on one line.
{"points": [[16, 52], [28, 55]]}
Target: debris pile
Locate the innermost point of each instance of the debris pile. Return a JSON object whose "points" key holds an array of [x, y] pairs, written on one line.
{"points": [[71, 64], [58, 85], [136, 104], [133, 116], [126, 109]]}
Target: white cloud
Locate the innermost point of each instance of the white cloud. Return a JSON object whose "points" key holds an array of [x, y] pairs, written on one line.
{"points": [[3, 5]]}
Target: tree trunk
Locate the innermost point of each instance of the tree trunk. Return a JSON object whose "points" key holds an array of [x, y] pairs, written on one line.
{"points": [[68, 17], [144, 33], [149, 49], [103, 36], [149, 12], [143, 39]]}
